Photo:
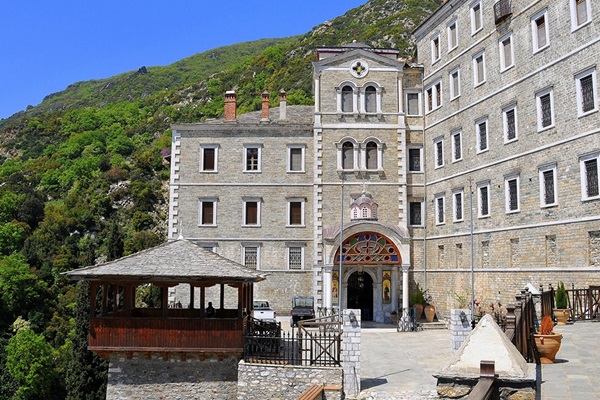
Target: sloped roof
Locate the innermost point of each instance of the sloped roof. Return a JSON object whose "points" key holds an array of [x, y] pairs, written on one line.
{"points": [[177, 261]]}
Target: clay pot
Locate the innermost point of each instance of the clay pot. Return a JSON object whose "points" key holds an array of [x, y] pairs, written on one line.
{"points": [[562, 316], [429, 313], [548, 346], [419, 308]]}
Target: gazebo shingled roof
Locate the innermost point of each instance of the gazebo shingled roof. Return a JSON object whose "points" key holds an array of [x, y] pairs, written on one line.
{"points": [[177, 261]]}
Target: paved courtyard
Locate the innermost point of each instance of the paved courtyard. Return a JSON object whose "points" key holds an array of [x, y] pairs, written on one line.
{"points": [[400, 365]]}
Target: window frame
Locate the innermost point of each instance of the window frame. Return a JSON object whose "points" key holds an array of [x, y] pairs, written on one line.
{"points": [[340, 98], [453, 135], [289, 247], [378, 98], [421, 213], [452, 33], [408, 167], [364, 153], [288, 217], [256, 246], [575, 25], [538, 101], [245, 202], [478, 123], [508, 192], [452, 80], [214, 147], [419, 94], [588, 72], [440, 198], [473, 14], [584, 177], [501, 49], [258, 169], [534, 31], [436, 96], [355, 155], [455, 194], [479, 80], [438, 152], [480, 213], [302, 148], [436, 48], [201, 201], [542, 181], [505, 111]]}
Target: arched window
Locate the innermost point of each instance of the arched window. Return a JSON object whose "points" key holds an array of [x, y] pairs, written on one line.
{"points": [[371, 156], [371, 99], [348, 155], [347, 99]]}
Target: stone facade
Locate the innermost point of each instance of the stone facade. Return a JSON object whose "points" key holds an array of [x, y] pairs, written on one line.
{"points": [[171, 376], [534, 240]]}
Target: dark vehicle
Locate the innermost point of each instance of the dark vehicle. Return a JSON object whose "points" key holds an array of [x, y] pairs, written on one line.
{"points": [[302, 308]]}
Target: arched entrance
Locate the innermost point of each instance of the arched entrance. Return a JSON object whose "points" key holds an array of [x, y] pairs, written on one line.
{"points": [[360, 294]]}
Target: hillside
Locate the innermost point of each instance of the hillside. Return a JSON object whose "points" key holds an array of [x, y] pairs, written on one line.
{"points": [[83, 179]]}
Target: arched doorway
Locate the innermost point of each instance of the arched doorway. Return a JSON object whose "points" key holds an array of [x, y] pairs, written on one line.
{"points": [[360, 294]]}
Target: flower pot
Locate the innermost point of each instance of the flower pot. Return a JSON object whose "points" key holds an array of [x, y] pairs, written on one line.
{"points": [[429, 313], [548, 346], [419, 308], [562, 316]]}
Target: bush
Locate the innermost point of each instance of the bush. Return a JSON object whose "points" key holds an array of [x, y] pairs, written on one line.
{"points": [[561, 297], [417, 297], [546, 326]]}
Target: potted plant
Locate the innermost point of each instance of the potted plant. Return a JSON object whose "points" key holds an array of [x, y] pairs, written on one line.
{"points": [[429, 308], [417, 299], [546, 341], [561, 312]]}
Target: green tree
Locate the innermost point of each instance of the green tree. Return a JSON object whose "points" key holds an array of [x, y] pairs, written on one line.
{"points": [[114, 242], [20, 289], [30, 363]]}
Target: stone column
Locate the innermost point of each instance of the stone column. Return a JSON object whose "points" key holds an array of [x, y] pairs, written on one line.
{"points": [[351, 352], [460, 327], [327, 287], [405, 268]]}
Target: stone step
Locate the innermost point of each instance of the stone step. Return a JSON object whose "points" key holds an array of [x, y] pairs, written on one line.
{"points": [[432, 325]]}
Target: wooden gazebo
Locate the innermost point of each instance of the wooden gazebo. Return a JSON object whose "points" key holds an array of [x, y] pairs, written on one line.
{"points": [[117, 325]]}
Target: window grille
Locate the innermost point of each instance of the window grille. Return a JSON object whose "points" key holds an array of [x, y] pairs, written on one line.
{"points": [[591, 172], [458, 211], [251, 257], [511, 132], [440, 210], [457, 147], [295, 257], [485, 206], [546, 107], [440, 154], [513, 198], [549, 197], [482, 136], [587, 93]]}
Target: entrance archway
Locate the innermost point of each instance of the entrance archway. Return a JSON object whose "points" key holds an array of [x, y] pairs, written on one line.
{"points": [[360, 294]]}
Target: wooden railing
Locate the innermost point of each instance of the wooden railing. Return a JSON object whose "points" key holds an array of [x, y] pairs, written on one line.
{"points": [[166, 334], [484, 389], [584, 303]]}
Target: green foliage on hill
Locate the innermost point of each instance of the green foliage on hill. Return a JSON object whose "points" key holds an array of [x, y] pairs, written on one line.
{"points": [[84, 178]]}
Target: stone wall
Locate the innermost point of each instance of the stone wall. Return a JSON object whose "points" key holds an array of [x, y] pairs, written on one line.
{"points": [[351, 351], [283, 382], [459, 328], [171, 376]]}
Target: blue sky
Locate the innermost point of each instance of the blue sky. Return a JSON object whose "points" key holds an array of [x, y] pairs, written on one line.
{"points": [[47, 45]]}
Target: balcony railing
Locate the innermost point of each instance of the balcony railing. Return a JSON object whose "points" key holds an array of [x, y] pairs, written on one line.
{"points": [[502, 10]]}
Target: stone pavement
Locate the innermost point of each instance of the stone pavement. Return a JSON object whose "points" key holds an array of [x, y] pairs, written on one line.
{"points": [[400, 365]]}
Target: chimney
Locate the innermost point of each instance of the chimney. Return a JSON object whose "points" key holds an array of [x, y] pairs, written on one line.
{"points": [[265, 107], [282, 104], [230, 105]]}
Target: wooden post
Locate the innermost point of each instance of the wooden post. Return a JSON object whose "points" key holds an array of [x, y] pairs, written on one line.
{"points": [[222, 297], [192, 290], [202, 300], [165, 301]]}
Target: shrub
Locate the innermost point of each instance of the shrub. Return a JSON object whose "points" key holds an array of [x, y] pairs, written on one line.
{"points": [[417, 297], [546, 326], [561, 297]]}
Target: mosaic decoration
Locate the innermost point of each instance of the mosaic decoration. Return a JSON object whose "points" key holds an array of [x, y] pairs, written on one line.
{"points": [[386, 287], [368, 248]]}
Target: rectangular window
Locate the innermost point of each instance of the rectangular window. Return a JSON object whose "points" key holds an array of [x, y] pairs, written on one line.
{"points": [[506, 52], [481, 129], [509, 121], [539, 29], [414, 160], [440, 208], [457, 205], [476, 18], [479, 68], [511, 190], [456, 146], [545, 109], [580, 13], [548, 195], [452, 36], [483, 200], [413, 103], [295, 212], [435, 48], [454, 83], [252, 212], [251, 257], [252, 157], [207, 212], [416, 213], [439, 152], [589, 177], [295, 158], [295, 257], [586, 86], [434, 96], [208, 158]]}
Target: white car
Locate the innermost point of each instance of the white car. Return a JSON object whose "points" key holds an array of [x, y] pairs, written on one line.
{"points": [[262, 310]]}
